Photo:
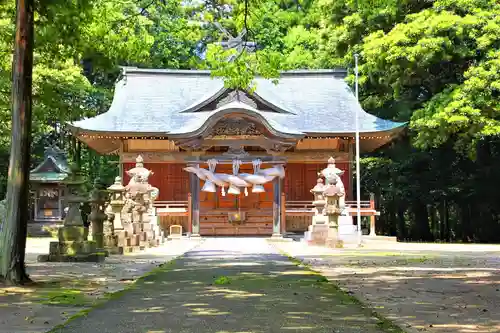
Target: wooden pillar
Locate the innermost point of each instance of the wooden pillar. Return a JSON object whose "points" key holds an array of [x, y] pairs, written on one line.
{"points": [[190, 210], [277, 207], [283, 213], [372, 217], [194, 189]]}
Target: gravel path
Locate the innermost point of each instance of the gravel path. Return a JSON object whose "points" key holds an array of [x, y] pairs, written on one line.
{"points": [[440, 288], [231, 285]]}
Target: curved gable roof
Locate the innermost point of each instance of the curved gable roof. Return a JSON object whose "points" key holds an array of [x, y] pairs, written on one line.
{"points": [[159, 102], [195, 128]]}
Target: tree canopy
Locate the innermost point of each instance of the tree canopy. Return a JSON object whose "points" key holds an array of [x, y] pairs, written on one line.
{"points": [[435, 64]]}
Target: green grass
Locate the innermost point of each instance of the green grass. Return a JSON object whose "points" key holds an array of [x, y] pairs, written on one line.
{"points": [[344, 296], [66, 297], [148, 277], [222, 280]]}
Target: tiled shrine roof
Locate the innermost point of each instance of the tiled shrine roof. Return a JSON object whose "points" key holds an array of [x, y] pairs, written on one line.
{"points": [[162, 102]]}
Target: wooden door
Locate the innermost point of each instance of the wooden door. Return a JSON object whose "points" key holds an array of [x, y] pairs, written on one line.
{"points": [[257, 208]]}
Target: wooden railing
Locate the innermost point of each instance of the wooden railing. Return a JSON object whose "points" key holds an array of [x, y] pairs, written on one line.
{"points": [[298, 208], [291, 208], [362, 204], [171, 208]]}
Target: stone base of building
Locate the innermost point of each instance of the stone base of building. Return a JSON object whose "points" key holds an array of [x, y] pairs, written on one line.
{"points": [[279, 238], [346, 225]]}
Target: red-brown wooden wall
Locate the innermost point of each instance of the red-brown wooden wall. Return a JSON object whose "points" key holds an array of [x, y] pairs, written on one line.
{"points": [[173, 183], [301, 178], [170, 179]]}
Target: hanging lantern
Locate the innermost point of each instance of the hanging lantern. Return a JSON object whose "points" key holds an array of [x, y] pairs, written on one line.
{"points": [[209, 187], [233, 189], [258, 189]]}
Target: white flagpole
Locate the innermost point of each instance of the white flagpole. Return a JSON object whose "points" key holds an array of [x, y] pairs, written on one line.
{"points": [[358, 182]]}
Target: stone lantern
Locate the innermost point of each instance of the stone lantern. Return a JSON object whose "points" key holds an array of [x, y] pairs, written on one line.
{"points": [[318, 230], [319, 200], [333, 193], [331, 170], [73, 244], [117, 201], [97, 216], [139, 170], [48, 192]]}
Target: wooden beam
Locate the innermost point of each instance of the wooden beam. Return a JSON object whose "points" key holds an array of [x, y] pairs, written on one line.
{"points": [[289, 157]]}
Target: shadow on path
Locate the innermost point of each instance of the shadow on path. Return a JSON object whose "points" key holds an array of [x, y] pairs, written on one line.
{"points": [[440, 291], [212, 290]]}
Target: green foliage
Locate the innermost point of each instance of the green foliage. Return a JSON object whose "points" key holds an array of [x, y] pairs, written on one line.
{"points": [[241, 72], [443, 63], [435, 64], [222, 280]]}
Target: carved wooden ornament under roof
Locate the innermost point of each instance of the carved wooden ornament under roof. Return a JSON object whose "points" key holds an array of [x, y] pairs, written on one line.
{"points": [[235, 127]]}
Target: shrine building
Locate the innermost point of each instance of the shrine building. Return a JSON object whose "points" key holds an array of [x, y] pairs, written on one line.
{"points": [[176, 119]]}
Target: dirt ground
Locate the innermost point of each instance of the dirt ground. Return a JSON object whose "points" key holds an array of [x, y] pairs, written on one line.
{"points": [[63, 289], [422, 287], [439, 288]]}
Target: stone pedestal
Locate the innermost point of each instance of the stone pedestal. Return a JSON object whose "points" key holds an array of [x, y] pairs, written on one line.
{"points": [[317, 234], [110, 239], [43, 229], [73, 244], [333, 239]]}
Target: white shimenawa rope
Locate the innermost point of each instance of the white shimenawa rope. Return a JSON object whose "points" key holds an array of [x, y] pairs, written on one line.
{"points": [[236, 169], [256, 165], [212, 165]]}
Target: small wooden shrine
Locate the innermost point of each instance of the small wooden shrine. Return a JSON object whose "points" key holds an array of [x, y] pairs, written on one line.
{"points": [[47, 182], [229, 161]]}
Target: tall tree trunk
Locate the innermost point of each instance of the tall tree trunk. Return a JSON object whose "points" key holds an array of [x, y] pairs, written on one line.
{"points": [[443, 213], [434, 222], [421, 228], [465, 217], [13, 236], [402, 234]]}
